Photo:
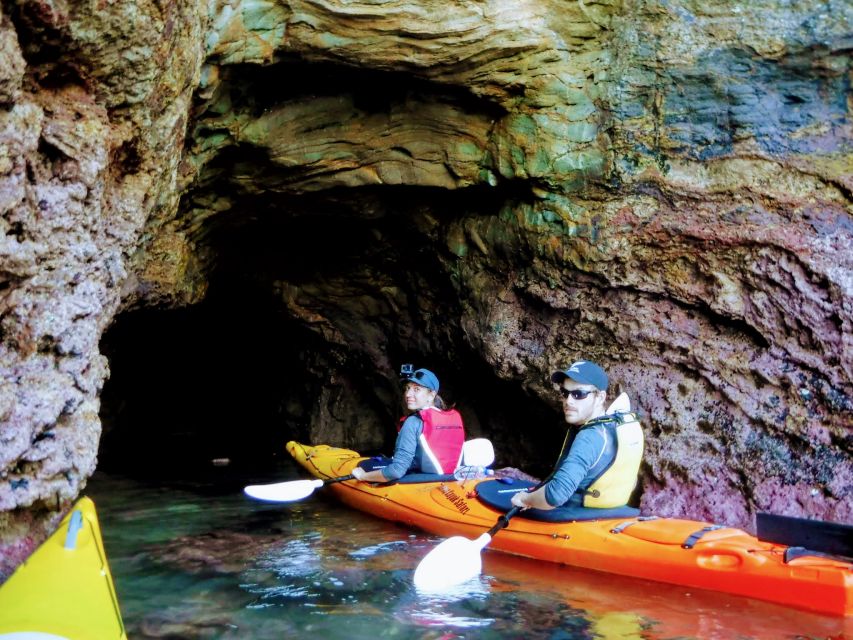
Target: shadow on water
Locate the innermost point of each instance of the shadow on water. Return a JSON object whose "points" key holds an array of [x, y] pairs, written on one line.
{"points": [[202, 561]]}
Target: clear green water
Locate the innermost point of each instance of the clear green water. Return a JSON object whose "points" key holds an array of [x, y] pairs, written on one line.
{"points": [[198, 560]]}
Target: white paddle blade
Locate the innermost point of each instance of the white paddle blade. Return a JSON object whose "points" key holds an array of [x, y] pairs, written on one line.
{"points": [[283, 491], [478, 452], [452, 562]]}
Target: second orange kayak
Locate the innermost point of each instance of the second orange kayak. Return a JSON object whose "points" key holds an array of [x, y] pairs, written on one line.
{"points": [[683, 552]]}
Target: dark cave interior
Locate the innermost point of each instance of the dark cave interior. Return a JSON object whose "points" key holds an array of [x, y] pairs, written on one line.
{"points": [[236, 376]]}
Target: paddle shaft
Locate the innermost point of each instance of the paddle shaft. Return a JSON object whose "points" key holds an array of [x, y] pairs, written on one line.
{"points": [[503, 521], [338, 479]]}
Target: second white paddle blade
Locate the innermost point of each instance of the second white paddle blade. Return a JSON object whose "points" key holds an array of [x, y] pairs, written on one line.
{"points": [[452, 562]]}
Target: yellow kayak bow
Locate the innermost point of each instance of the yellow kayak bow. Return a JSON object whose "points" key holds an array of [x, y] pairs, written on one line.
{"points": [[64, 590]]}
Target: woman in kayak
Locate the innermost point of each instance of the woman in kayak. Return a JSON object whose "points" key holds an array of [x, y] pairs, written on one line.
{"points": [[429, 438], [600, 469]]}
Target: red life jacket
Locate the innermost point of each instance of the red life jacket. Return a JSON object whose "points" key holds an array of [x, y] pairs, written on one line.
{"points": [[440, 441]]}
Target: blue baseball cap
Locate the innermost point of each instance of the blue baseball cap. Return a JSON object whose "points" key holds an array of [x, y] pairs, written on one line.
{"points": [[584, 372], [422, 377]]}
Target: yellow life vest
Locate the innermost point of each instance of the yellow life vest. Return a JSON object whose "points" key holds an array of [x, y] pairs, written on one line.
{"points": [[614, 486]]}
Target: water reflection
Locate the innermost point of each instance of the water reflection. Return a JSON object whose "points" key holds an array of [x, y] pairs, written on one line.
{"points": [[453, 607], [621, 607], [205, 562], [376, 549]]}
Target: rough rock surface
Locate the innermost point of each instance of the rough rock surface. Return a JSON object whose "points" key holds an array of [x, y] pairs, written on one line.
{"points": [[91, 102], [664, 187]]}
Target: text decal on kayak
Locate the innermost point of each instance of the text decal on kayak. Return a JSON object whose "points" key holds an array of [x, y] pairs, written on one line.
{"points": [[456, 501]]}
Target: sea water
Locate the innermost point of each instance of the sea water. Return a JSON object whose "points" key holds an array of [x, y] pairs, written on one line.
{"points": [[194, 558]]}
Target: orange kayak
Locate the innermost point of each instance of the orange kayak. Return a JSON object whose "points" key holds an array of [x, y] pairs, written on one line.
{"points": [[723, 559]]}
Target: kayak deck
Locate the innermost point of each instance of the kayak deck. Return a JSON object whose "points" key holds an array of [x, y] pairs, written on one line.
{"points": [[64, 589], [684, 552]]}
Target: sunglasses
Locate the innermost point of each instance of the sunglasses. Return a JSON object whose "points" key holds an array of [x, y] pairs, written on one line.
{"points": [[577, 394]]}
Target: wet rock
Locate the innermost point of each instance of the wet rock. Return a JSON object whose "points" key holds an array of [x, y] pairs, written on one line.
{"points": [[225, 552]]}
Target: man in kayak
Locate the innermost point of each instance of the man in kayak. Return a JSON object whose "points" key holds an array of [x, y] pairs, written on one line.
{"points": [[600, 469], [429, 439]]}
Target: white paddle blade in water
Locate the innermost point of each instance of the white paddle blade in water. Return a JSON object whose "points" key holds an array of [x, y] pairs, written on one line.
{"points": [[283, 491], [452, 562]]}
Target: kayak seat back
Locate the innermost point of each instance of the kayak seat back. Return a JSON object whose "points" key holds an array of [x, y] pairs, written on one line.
{"points": [[478, 452], [498, 493]]}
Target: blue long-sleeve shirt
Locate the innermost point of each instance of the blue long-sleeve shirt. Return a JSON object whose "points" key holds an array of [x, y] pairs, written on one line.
{"points": [[591, 452], [405, 449]]}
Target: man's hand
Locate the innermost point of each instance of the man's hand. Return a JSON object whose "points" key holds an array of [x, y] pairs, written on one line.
{"points": [[517, 500], [358, 473], [531, 500]]}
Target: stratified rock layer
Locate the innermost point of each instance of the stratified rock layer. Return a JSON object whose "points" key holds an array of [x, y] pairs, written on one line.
{"points": [[662, 187]]}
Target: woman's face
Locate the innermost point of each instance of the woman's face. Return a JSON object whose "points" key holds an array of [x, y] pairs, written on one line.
{"points": [[417, 397]]}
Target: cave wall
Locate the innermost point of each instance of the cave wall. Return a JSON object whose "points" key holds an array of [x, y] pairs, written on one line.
{"points": [[663, 187], [94, 106]]}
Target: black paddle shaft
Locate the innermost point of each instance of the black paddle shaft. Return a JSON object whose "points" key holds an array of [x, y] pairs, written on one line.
{"points": [[338, 479], [503, 521]]}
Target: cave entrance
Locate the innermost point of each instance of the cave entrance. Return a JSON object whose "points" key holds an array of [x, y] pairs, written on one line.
{"points": [[306, 320], [192, 386]]}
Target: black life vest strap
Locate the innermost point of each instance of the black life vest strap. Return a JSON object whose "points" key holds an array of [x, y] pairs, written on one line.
{"points": [[694, 537], [619, 528]]}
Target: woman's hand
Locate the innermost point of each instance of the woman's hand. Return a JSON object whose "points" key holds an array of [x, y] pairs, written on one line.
{"points": [[358, 473]]}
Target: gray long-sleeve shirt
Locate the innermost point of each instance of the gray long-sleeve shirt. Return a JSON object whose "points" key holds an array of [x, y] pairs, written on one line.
{"points": [[405, 449], [590, 453]]}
